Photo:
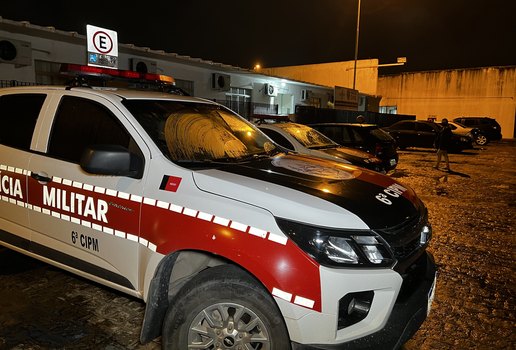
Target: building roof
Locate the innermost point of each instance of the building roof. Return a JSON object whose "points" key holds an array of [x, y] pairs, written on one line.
{"points": [[25, 27]]}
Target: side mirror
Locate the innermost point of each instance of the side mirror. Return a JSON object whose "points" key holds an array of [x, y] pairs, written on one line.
{"points": [[112, 160]]}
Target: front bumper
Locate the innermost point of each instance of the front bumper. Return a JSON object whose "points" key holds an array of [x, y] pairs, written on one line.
{"points": [[407, 315]]}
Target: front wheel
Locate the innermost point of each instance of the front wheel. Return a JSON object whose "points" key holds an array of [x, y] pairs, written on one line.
{"points": [[224, 308], [481, 140]]}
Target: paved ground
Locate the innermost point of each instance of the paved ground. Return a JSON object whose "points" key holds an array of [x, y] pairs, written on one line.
{"points": [[472, 210]]}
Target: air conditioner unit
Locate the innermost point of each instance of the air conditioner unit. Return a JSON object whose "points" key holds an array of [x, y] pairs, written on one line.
{"points": [[16, 52], [305, 94], [143, 66], [270, 90], [221, 82]]}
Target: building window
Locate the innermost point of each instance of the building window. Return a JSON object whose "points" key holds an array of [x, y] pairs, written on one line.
{"points": [[186, 85], [239, 100], [47, 73], [389, 109]]}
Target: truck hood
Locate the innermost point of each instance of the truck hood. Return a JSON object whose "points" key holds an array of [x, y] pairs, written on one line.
{"points": [[355, 156], [315, 191]]}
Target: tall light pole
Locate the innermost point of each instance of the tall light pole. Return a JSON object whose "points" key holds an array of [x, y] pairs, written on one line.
{"points": [[356, 46]]}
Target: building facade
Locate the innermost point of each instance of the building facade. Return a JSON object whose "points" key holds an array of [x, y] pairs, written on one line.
{"points": [[32, 54], [487, 91]]}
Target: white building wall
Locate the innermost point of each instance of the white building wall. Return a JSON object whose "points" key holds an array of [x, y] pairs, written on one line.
{"points": [[51, 45]]}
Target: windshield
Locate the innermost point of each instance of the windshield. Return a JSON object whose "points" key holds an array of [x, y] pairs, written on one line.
{"points": [[307, 136], [198, 132]]}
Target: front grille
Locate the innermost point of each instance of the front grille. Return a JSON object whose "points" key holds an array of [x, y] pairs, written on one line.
{"points": [[406, 250], [405, 239], [408, 225]]}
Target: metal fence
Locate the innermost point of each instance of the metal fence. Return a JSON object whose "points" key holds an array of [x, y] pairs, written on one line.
{"points": [[248, 109], [13, 83]]}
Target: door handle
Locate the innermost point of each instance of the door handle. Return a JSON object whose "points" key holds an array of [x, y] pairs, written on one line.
{"points": [[42, 177]]}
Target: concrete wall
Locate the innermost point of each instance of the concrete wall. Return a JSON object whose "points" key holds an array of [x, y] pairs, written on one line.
{"points": [[448, 94], [333, 74]]}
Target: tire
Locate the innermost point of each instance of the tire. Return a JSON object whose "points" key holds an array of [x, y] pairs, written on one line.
{"points": [[481, 140], [224, 308]]}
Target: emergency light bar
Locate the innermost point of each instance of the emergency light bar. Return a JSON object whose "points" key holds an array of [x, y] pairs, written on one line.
{"points": [[77, 69]]}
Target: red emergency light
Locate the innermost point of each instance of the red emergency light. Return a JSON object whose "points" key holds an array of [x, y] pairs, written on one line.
{"points": [[77, 70]]}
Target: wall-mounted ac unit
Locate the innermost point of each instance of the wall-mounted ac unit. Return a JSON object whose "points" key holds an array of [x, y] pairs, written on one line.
{"points": [[16, 52], [305, 94], [221, 82], [270, 90], [143, 66]]}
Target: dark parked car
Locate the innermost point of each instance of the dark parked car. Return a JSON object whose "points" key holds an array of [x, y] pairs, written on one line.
{"points": [[366, 137], [304, 139], [488, 127], [422, 134]]}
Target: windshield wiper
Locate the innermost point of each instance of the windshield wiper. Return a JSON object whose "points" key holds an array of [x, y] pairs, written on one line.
{"points": [[323, 146], [225, 160], [253, 156]]}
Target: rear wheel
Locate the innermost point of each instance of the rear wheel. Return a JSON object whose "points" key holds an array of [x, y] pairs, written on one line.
{"points": [[224, 308], [481, 140]]}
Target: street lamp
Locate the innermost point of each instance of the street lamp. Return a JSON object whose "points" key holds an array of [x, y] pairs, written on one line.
{"points": [[356, 45]]}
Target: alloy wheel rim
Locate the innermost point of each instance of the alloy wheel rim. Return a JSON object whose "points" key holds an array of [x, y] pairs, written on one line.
{"points": [[228, 326]]}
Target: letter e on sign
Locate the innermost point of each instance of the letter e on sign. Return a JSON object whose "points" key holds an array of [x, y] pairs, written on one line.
{"points": [[102, 41]]}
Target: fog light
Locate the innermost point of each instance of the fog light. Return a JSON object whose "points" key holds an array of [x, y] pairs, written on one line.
{"points": [[358, 306], [354, 307]]}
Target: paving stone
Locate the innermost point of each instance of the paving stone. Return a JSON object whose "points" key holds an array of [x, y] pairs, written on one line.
{"points": [[472, 211]]}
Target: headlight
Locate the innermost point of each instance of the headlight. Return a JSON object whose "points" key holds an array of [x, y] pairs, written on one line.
{"points": [[339, 248]]}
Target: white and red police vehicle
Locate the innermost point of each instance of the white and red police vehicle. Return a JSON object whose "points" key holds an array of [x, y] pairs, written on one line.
{"points": [[230, 241]]}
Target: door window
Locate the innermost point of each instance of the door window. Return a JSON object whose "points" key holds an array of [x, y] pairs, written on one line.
{"points": [[80, 123], [405, 126], [20, 112], [425, 128]]}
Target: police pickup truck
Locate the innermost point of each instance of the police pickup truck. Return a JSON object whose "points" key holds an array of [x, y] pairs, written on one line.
{"points": [[230, 241]]}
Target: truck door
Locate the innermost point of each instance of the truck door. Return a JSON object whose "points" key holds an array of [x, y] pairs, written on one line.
{"points": [[426, 135], [19, 113], [86, 222]]}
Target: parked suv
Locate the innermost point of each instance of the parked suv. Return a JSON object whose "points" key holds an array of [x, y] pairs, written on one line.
{"points": [[488, 127], [366, 137], [422, 134], [229, 240]]}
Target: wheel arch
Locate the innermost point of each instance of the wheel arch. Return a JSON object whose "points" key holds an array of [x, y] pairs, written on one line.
{"points": [[172, 273]]}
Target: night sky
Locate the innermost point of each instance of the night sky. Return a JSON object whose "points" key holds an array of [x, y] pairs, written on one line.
{"points": [[432, 34]]}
